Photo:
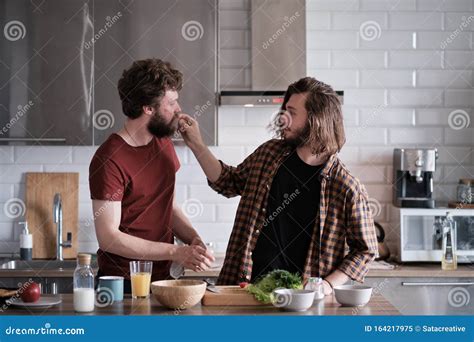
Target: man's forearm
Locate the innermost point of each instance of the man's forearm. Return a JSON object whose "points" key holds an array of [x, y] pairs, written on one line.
{"points": [[209, 163], [337, 277], [133, 247]]}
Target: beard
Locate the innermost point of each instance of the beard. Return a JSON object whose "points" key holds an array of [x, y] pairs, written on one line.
{"points": [[160, 128], [299, 138]]}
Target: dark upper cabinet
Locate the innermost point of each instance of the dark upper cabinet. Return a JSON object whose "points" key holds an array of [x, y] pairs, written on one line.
{"points": [[59, 77], [46, 73]]}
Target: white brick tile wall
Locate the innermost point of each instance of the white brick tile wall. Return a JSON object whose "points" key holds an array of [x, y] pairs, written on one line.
{"points": [[333, 40], [385, 107], [459, 59], [357, 59], [416, 97], [337, 78], [398, 40], [445, 78], [403, 136], [318, 59], [353, 20], [459, 97], [319, 20], [6, 154], [415, 59], [386, 78], [434, 40], [387, 117], [387, 5], [416, 21], [443, 6]]}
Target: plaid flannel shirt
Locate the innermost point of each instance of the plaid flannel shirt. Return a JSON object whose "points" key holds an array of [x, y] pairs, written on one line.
{"points": [[343, 217]]}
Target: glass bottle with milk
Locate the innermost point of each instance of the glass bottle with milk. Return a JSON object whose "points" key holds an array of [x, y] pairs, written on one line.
{"points": [[84, 294]]}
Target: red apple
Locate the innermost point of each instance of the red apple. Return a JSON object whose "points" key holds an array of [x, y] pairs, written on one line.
{"points": [[30, 293]]}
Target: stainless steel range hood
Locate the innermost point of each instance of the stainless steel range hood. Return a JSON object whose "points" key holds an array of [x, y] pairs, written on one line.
{"points": [[278, 53]]}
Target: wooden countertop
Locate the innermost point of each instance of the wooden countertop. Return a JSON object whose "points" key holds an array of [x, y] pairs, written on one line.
{"points": [[378, 305], [401, 270]]}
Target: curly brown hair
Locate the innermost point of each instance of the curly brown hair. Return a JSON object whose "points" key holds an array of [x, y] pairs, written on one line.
{"points": [[326, 129], [145, 84]]}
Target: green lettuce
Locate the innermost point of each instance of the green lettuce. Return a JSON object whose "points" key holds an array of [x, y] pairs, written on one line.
{"points": [[264, 287]]}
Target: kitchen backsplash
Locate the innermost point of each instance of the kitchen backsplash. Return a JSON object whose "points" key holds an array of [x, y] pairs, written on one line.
{"points": [[406, 68]]}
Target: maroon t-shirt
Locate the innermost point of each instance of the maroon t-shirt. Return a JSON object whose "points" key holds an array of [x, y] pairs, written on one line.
{"points": [[143, 179]]}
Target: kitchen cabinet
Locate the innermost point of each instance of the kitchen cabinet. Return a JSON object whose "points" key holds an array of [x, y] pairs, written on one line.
{"points": [[61, 61], [427, 295], [45, 72]]}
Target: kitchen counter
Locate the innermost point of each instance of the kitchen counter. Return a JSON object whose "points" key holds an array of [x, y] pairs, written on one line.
{"points": [[378, 305], [400, 270]]}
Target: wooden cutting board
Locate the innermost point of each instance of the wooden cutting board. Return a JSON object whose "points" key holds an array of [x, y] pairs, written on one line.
{"points": [[40, 190], [230, 296], [460, 205]]}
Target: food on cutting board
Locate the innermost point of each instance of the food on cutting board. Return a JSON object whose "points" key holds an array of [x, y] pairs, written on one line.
{"points": [[277, 279], [30, 293]]}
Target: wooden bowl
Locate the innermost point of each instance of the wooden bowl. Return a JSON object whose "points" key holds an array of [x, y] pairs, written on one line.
{"points": [[178, 294]]}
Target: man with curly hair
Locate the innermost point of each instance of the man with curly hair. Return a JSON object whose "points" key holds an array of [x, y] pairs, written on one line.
{"points": [[132, 180]]}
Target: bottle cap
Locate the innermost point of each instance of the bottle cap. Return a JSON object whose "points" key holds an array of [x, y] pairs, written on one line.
{"points": [[84, 259]]}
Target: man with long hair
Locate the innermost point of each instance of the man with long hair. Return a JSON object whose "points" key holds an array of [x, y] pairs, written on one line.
{"points": [[299, 204]]}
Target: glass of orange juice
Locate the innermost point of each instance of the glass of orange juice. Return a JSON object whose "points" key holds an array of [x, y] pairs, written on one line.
{"points": [[140, 276]]}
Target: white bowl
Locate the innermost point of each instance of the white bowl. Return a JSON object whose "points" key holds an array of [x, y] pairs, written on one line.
{"points": [[352, 295], [293, 299]]}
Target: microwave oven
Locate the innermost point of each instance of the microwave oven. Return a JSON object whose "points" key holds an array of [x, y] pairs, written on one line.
{"points": [[421, 234]]}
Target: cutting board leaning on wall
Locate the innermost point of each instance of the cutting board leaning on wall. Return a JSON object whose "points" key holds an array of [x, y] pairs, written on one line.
{"points": [[40, 190]]}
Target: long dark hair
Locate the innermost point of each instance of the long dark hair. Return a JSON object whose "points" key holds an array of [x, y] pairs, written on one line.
{"points": [[326, 128]]}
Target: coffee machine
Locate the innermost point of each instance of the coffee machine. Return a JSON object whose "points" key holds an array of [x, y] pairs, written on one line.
{"points": [[413, 171]]}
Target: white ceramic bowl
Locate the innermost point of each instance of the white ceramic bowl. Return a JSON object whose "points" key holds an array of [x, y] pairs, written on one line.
{"points": [[352, 295], [293, 300]]}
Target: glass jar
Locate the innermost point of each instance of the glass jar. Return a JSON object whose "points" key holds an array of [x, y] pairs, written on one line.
{"points": [[465, 191], [84, 294], [315, 284]]}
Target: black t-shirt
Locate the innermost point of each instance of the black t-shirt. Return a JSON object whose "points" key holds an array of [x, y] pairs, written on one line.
{"points": [[293, 202]]}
